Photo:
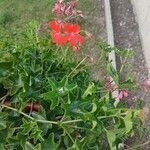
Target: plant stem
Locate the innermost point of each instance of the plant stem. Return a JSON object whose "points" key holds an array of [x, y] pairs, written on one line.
{"points": [[20, 112], [77, 66], [24, 114], [40, 121], [69, 135], [110, 116], [4, 97], [76, 127], [72, 121], [125, 109], [64, 55], [123, 64], [102, 117], [47, 121]]}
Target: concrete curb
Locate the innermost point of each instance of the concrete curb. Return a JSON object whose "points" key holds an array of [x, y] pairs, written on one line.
{"points": [[110, 38]]}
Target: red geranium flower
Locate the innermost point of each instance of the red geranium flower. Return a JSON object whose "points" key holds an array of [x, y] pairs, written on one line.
{"points": [[68, 27], [59, 38], [56, 25], [73, 34], [63, 32], [74, 40]]}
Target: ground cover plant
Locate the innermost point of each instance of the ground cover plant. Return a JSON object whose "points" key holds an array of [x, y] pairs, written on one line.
{"points": [[49, 100]]}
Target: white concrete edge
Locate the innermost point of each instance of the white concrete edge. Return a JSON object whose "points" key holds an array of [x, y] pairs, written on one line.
{"points": [[110, 39], [140, 34]]}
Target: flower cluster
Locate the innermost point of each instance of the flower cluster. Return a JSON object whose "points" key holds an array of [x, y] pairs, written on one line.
{"points": [[63, 32], [122, 94], [63, 8]]}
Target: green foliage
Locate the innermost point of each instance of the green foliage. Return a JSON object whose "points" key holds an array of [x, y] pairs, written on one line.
{"points": [[5, 18], [76, 113]]}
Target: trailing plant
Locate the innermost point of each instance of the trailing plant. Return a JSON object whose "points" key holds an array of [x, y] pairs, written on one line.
{"points": [[49, 100]]}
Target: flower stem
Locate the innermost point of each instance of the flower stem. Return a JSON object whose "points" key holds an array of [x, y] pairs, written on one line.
{"points": [[77, 66], [64, 56]]}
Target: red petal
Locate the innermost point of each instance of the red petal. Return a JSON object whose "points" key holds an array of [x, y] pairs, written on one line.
{"points": [[63, 39], [75, 28], [68, 27], [72, 42], [54, 36], [80, 38], [59, 38], [54, 25]]}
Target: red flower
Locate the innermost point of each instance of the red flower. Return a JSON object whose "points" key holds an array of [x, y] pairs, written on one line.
{"points": [[73, 36], [68, 27], [63, 32], [59, 38], [56, 25], [56, 32]]}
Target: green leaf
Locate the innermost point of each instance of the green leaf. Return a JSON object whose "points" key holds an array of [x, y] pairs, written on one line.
{"points": [[3, 125], [38, 147], [127, 84], [5, 68], [89, 91], [3, 117], [36, 135], [2, 147], [128, 121], [88, 107], [38, 116], [28, 146], [111, 136], [124, 52], [49, 143], [112, 72], [18, 83], [42, 116], [94, 125]]}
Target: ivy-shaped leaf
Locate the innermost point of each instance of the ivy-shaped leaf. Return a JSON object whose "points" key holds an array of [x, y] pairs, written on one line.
{"points": [[2, 147], [89, 91], [49, 143], [3, 117], [3, 125], [29, 146], [111, 136], [128, 121], [112, 72]]}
